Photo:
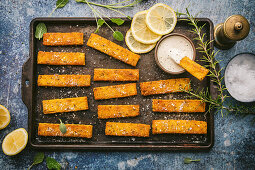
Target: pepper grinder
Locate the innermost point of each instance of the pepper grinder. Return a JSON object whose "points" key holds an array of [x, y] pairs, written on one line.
{"points": [[235, 28]]}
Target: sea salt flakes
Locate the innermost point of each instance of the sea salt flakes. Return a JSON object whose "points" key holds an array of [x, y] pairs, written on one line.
{"points": [[240, 77]]}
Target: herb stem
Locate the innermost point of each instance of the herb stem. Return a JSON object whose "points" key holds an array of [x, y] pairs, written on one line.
{"points": [[202, 98], [113, 6], [98, 14], [119, 12], [55, 8], [30, 166], [119, 3], [53, 11]]}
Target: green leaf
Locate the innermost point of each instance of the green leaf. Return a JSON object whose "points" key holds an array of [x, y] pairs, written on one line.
{"points": [[61, 3], [37, 159], [189, 160], [62, 127], [40, 30], [52, 164], [118, 35], [100, 22], [117, 21]]}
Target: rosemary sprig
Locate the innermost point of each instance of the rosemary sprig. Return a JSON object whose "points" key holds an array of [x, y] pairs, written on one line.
{"points": [[211, 62]]}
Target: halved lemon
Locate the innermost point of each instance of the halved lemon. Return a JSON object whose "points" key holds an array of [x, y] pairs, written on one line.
{"points": [[140, 31], [161, 19], [136, 46], [4, 117], [15, 142]]}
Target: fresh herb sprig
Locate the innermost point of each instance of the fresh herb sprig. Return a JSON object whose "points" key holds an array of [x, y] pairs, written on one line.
{"points": [[52, 164], [189, 160], [40, 30], [62, 127], [114, 6], [211, 62], [116, 34], [59, 4], [98, 15], [41, 27], [39, 157]]}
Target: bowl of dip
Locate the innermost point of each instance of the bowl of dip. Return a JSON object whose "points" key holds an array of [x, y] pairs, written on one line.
{"points": [[240, 77], [173, 43]]}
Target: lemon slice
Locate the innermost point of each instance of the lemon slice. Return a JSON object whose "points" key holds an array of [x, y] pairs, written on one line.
{"points": [[136, 46], [161, 19], [140, 31], [4, 117], [15, 142]]}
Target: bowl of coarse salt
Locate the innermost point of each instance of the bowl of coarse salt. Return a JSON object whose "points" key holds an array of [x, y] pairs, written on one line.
{"points": [[240, 77]]}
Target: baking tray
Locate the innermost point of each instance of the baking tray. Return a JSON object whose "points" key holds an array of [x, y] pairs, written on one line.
{"points": [[33, 95]]}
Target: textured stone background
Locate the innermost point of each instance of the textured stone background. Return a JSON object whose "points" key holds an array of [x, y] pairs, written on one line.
{"points": [[234, 136]]}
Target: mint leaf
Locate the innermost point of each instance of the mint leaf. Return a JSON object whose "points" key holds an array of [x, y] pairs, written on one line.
{"points": [[100, 22], [62, 127], [61, 3], [189, 160], [40, 30], [37, 159], [52, 164], [118, 35], [117, 21]]}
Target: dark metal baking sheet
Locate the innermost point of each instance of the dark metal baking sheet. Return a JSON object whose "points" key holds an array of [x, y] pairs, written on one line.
{"points": [[33, 95]]}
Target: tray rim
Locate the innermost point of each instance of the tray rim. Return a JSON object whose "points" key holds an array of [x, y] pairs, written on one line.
{"points": [[27, 74]]}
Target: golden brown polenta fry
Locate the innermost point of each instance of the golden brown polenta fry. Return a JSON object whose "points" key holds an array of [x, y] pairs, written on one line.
{"points": [[117, 91], [179, 126], [115, 111], [73, 130], [60, 58], [112, 49], [55, 39], [159, 105], [63, 80], [194, 68], [164, 86], [127, 129], [65, 105], [101, 74]]}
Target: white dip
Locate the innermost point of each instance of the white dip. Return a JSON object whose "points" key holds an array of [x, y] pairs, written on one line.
{"points": [[240, 77], [173, 45]]}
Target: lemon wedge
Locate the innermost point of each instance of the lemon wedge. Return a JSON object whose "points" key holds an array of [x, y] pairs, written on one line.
{"points": [[140, 31], [136, 46], [161, 19], [15, 142], [5, 117]]}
